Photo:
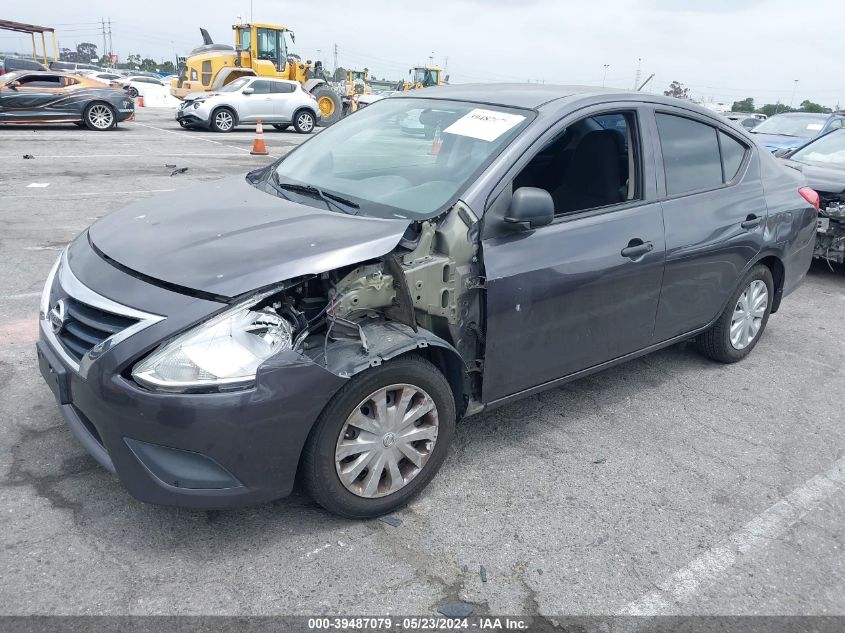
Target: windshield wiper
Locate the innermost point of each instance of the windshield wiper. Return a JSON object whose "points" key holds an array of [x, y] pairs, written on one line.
{"points": [[331, 200]]}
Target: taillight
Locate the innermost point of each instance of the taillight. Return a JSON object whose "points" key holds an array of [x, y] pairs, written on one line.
{"points": [[811, 196]]}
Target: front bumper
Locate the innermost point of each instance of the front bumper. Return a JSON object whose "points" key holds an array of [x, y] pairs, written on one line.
{"points": [[211, 450], [190, 117]]}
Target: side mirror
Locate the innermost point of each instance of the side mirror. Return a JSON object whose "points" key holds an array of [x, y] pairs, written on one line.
{"points": [[530, 207], [782, 153], [14, 84], [248, 90]]}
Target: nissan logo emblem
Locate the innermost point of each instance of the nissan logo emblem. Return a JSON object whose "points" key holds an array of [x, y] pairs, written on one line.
{"points": [[57, 316]]}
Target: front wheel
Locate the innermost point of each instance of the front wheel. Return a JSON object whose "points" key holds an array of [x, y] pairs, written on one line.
{"points": [[222, 120], [741, 325], [99, 116], [303, 122], [380, 440]]}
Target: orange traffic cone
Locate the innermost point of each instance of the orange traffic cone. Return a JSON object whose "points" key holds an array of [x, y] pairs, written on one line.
{"points": [[258, 146], [140, 101], [437, 143]]}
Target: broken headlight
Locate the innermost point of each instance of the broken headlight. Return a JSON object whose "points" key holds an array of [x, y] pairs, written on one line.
{"points": [[224, 352]]}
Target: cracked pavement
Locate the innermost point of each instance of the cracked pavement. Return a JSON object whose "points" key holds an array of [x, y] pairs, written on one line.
{"points": [[579, 500]]}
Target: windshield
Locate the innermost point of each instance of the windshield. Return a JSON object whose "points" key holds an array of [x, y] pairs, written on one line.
{"points": [[239, 83], [828, 151], [401, 157], [803, 125]]}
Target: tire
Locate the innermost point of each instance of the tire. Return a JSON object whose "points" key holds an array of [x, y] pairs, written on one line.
{"points": [[329, 103], [319, 468], [99, 116], [183, 124], [281, 126], [133, 92], [747, 312], [303, 122], [223, 120]]}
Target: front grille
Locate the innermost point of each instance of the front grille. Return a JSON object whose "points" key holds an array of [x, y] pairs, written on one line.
{"points": [[86, 326]]}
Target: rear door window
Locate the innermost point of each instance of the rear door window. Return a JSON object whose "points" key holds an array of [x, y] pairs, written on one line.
{"points": [[691, 157], [282, 87]]}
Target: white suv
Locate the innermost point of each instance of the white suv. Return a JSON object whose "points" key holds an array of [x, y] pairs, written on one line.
{"points": [[247, 100]]}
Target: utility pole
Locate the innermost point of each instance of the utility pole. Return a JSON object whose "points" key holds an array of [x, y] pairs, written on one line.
{"points": [[794, 90], [604, 76], [103, 22], [335, 57], [638, 76], [431, 59], [111, 45]]}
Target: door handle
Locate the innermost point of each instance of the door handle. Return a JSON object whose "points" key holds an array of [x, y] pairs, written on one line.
{"points": [[637, 248], [751, 222]]}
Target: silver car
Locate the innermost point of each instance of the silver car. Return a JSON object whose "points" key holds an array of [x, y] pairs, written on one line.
{"points": [[248, 100]]}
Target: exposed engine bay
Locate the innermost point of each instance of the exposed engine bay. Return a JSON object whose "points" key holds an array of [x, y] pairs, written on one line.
{"points": [[425, 295], [830, 230]]}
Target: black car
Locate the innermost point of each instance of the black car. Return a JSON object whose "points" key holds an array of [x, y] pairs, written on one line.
{"points": [[822, 163], [55, 97], [334, 314], [11, 64]]}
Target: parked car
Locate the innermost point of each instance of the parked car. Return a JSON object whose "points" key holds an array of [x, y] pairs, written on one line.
{"points": [[76, 66], [334, 313], [791, 130], [822, 162], [139, 84], [108, 79], [744, 119], [247, 100], [11, 64], [55, 97]]}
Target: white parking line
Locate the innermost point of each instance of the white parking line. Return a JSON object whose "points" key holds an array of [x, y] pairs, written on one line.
{"points": [[198, 138], [706, 569], [23, 295], [148, 155], [77, 194]]}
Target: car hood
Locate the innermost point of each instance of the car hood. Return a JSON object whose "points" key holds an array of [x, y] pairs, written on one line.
{"points": [[823, 179], [228, 238], [777, 141]]}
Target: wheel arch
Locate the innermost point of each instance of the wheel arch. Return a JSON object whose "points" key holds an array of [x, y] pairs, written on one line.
{"points": [[386, 340], [775, 265], [225, 73]]}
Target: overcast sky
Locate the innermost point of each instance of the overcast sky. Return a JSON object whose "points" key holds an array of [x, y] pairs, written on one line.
{"points": [[721, 49]]}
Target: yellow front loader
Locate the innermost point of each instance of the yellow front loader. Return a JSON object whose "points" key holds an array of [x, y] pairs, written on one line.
{"points": [[260, 49]]}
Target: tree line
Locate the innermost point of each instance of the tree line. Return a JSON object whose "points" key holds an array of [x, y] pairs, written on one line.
{"points": [[676, 89], [86, 53]]}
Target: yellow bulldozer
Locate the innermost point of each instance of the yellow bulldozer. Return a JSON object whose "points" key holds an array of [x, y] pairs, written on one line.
{"points": [[356, 85], [423, 77], [260, 49]]}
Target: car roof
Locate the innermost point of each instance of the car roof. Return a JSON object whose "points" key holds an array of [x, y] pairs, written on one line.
{"points": [[536, 96], [276, 79]]}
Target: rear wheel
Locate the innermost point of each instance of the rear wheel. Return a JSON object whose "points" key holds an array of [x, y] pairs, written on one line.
{"points": [[380, 440], [222, 120], [133, 92], [303, 122], [281, 126], [741, 325], [99, 116], [331, 108]]}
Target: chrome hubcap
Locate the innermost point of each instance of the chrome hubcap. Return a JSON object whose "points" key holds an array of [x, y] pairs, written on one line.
{"points": [[100, 117], [386, 441], [748, 314], [223, 120], [305, 122]]}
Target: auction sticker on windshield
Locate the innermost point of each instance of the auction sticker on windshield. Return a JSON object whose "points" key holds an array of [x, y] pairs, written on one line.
{"points": [[486, 125]]}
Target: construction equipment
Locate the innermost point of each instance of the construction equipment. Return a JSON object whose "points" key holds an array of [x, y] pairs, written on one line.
{"points": [[356, 86], [260, 49], [423, 77]]}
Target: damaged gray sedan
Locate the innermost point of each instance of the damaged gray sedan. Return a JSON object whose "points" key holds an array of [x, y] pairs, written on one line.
{"points": [[331, 316]]}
